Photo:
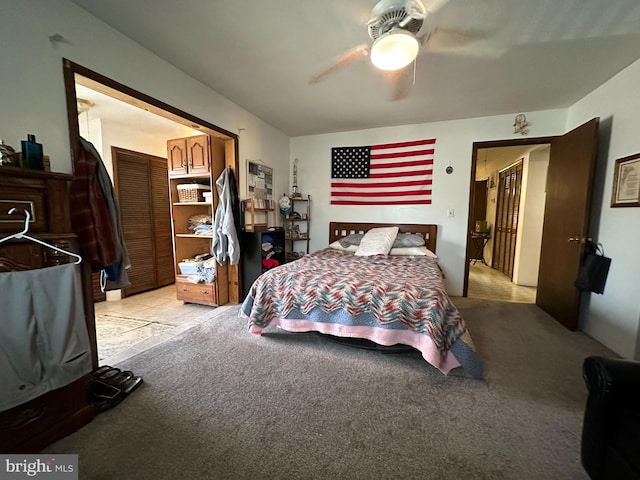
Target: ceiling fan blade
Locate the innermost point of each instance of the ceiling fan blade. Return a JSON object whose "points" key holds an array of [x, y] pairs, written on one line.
{"points": [[433, 6], [401, 81], [460, 42], [345, 59]]}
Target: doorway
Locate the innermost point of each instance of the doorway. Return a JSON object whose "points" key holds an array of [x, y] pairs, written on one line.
{"points": [[175, 311], [567, 204], [513, 174]]}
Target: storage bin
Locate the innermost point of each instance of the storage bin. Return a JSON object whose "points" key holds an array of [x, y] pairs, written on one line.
{"points": [[192, 192], [189, 268]]}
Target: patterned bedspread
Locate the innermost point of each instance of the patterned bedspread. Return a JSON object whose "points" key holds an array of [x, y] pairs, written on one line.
{"points": [[396, 292]]}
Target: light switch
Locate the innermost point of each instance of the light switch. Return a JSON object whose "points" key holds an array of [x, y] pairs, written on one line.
{"points": [[449, 212]]}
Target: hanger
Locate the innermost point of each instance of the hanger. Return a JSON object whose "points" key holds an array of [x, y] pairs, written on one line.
{"points": [[23, 234]]}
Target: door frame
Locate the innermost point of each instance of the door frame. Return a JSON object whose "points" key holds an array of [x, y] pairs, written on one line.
{"points": [[472, 180], [117, 90]]}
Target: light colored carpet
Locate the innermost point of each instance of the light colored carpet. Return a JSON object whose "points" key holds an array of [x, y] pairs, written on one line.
{"points": [[220, 403]]}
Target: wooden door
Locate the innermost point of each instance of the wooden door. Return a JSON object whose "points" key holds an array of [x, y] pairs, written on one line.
{"points": [[199, 154], [507, 214], [177, 156], [143, 193], [566, 218], [165, 272]]}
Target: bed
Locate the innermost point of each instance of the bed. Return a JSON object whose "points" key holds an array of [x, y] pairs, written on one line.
{"points": [[389, 300]]}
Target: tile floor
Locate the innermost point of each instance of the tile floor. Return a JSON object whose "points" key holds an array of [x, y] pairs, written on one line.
{"points": [[139, 322], [136, 323], [490, 284]]}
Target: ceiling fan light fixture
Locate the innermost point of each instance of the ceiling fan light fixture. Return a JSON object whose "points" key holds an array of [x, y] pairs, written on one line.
{"points": [[394, 50]]}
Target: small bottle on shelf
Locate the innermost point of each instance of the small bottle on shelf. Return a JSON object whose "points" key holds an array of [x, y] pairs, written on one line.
{"points": [[32, 153]]}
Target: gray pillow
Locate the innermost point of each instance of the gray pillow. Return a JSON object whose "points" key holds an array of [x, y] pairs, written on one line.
{"points": [[352, 239], [404, 240]]}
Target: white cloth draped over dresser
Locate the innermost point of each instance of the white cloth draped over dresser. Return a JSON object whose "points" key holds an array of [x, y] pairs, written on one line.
{"points": [[44, 343]]}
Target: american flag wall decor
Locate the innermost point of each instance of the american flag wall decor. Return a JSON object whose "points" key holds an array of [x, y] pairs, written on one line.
{"points": [[386, 174]]}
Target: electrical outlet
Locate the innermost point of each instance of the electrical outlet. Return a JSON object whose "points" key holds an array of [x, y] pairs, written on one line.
{"points": [[450, 212]]}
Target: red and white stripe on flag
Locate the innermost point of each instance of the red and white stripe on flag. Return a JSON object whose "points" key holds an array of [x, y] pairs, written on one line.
{"points": [[387, 174]]}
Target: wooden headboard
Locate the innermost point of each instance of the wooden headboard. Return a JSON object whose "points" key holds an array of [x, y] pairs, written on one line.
{"points": [[338, 230]]}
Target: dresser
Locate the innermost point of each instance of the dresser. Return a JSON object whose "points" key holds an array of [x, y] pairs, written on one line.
{"points": [[29, 427]]}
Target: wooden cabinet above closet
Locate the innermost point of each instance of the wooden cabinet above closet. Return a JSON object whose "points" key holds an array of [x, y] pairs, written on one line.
{"points": [[190, 155]]}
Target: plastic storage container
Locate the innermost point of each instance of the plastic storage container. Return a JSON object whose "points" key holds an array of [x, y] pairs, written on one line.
{"points": [[189, 268]]}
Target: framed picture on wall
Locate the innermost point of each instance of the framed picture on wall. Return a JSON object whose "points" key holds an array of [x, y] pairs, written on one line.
{"points": [[260, 184], [626, 182]]}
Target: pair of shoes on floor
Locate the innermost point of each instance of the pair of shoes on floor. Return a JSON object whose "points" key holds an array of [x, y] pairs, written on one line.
{"points": [[108, 386]]}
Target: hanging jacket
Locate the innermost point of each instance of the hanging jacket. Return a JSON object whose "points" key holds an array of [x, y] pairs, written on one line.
{"points": [[225, 244], [90, 216], [113, 276]]}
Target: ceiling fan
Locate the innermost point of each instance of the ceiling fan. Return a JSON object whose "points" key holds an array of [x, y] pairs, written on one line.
{"points": [[398, 30]]}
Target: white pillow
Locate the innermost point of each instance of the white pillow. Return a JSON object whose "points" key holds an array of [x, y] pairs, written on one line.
{"points": [[338, 246], [421, 251], [377, 241]]}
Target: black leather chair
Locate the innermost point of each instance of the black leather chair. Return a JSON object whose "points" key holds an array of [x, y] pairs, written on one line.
{"points": [[611, 429]]}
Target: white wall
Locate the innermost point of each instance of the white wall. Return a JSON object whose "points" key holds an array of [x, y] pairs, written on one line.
{"points": [[120, 135], [531, 218], [613, 318], [105, 134], [32, 94], [454, 140]]}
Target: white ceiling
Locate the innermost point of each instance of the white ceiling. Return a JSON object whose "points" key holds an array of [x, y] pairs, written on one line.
{"points": [[108, 108], [509, 56]]}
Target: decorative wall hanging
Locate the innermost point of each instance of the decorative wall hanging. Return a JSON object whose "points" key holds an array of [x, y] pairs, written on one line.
{"points": [[521, 125], [399, 173]]}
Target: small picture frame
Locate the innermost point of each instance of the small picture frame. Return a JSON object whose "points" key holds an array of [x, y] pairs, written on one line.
{"points": [[626, 182]]}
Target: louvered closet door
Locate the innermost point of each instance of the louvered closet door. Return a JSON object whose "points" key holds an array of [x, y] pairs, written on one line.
{"points": [[143, 193], [165, 273], [507, 213]]}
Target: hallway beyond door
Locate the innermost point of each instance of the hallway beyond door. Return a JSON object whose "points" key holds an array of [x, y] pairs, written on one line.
{"points": [[489, 284]]}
